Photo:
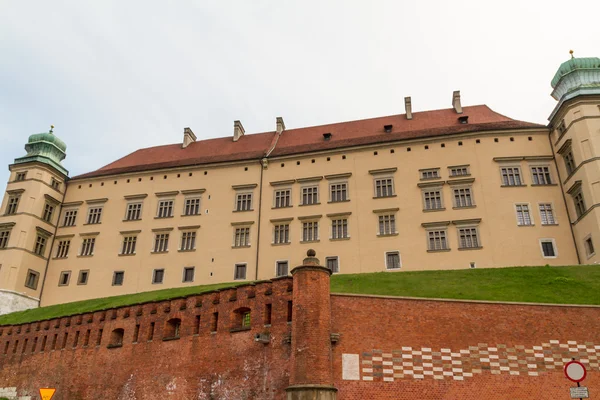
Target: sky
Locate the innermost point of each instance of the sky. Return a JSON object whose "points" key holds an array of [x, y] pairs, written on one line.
{"points": [[116, 76]]}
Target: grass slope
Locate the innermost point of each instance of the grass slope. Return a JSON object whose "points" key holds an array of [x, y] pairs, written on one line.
{"points": [[79, 307], [567, 285]]}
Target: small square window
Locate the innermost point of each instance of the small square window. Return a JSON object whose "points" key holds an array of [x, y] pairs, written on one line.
{"points": [[84, 274], [21, 176], [240, 272], [64, 278], [158, 276], [282, 268], [392, 260], [333, 264], [548, 248], [32, 279], [589, 246], [188, 274], [432, 173], [118, 278]]}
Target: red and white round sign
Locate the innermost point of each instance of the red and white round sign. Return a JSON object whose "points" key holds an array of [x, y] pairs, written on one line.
{"points": [[575, 371]]}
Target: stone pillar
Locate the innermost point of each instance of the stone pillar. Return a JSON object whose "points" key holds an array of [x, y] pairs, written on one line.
{"points": [[311, 375]]}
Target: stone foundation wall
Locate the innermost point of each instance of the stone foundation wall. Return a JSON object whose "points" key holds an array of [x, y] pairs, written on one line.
{"points": [[12, 301]]}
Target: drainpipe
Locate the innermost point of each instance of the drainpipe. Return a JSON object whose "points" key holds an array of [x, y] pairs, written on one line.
{"points": [[260, 186]]}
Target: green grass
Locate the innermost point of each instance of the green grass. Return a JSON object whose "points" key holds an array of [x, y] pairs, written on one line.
{"points": [[79, 307], [567, 285]]}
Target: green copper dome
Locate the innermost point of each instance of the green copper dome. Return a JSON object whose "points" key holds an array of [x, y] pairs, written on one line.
{"points": [[45, 148], [575, 64], [578, 76]]}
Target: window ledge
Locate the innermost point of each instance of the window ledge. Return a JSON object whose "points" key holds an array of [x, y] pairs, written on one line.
{"points": [[126, 255], [393, 269], [438, 251], [60, 258], [544, 184], [431, 179], [281, 244], [67, 226], [186, 251], [132, 220], [170, 216], [470, 248], [310, 241], [191, 215], [277, 208], [513, 185], [460, 208], [434, 209], [239, 211], [339, 201], [240, 329], [387, 234], [311, 204], [166, 339], [241, 247], [339, 239], [525, 225], [159, 252], [549, 224], [114, 346], [95, 223], [385, 197], [82, 256]]}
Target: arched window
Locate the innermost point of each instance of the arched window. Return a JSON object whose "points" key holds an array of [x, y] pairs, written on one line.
{"points": [[172, 329], [242, 319], [116, 338]]}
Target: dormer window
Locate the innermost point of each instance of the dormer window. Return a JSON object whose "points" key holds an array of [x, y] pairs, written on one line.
{"points": [[327, 136], [388, 128], [463, 119]]}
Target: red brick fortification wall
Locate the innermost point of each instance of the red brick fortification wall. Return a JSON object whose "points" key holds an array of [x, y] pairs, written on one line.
{"points": [[420, 349], [193, 363]]}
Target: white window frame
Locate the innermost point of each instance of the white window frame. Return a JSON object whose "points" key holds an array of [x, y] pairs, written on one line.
{"points": [[315, 195], [471, 196], [315, 238], [89, 213], [275, 233], [289, 196], [477, 233], [347, 190], [589, 253], [193, 268], [531, 220], [553, 246], [172, 208], [64, 216], [132, 244], [277, 262], [518, 167], [551, 178], [249, 236], [132, 203], [552, 209], [385, 177], [433, 189], [65, 249], [93, 246], [385, 255], [155, 243], [331, 229], [185, 205], [466, 167], [434, 171], [337, 258], [240, 193], [154, 271], [440, 228], [194, 239], [245, 271]]}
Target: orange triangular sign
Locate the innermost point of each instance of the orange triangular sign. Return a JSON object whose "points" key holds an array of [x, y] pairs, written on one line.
{"points": [[46, 394]]}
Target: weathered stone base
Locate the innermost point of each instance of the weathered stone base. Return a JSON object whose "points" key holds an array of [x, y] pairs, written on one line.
{"points": [[311, 392], [12, 301], [11, 394]]}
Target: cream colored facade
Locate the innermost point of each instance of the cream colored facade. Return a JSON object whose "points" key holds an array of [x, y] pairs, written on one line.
{"points": [[489, 198]]}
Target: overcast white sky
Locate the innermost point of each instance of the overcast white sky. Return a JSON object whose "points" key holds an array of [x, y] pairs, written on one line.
{"points": [[115, 76]]}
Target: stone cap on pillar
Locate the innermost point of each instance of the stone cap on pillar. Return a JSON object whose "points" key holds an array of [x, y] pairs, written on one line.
{"points": [[311, 262]]}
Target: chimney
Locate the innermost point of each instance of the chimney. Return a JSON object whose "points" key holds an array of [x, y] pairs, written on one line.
{"points": [[280, 125], [238, 130], [456, 102], [188, 137], [408, 107]]}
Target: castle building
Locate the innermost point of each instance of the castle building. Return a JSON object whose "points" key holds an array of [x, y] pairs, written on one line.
{"points": [[456, 188]]}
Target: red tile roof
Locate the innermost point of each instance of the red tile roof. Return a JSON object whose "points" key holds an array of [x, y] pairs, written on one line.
{"points": [[294, 141]]}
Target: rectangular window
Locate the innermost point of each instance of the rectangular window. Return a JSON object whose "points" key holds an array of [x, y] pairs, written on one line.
{"points": [[21, 176], [540, 176], [40, 245], [468, 238], [511, 176], [459, 171], [579, 203], [188, 241], [243, 202], [240, 271], [62, 250], [589, 247], [430, 173], [463, 198], [54, 183], [548, 248], [69, 218], [310, 231], [134, 212], [282, 198], [129, 243], [282, 268], [192, 206], [87, 247], [392, 260], [384, 187], [523, 215], [63, 280], [165, 209], [13, 204], [188, 274], [433, 199], [94, 215], [338, 192], [118, 278], [4, 235], [281, 234], [333, 264], [31, 281], [161, 242], [569, 161], [158, 276], [242, 237], [339, 228], [387, 224], [48, 212], [82, 279], [310, 195], [437, 240], [547, 214]]}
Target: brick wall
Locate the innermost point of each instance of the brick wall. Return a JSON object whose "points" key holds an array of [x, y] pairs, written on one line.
{"points": [[198, 364], [419, 349]]}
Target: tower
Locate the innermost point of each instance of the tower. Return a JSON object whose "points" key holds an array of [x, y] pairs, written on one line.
{"points": [[28, 220], [575, 138]]}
